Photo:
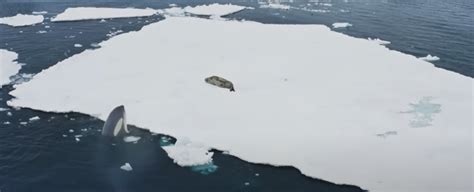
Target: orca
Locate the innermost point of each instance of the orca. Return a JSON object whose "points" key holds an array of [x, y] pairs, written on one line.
{"points": [[116, 123]]}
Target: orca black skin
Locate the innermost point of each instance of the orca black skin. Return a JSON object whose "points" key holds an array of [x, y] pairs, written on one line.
{"points": [[115, 123]]}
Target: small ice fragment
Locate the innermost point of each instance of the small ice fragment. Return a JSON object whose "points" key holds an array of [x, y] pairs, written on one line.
{"points": [[341, 25], [9, 113], [64, 135], [35, 118], [6, 123], [23, 123], [129, 139], [275, 6], [247, 183], [3, 109], [39, 12], [95, 45], [84, 129], [41, 32], [47, 27], [102, 20], [77, 139], [172, 5], [77, 136], [71, 131], [257, 174], [429, 58], [379, 41], [77, 45], [126, 167]]}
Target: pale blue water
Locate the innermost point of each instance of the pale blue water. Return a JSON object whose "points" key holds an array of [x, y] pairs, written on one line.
{"points": [[44, 155]]}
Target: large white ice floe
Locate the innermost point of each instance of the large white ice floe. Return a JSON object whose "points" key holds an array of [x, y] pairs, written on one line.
{"points": [[305, 96], [8, 66], [187, 153], [214, 9], [21, 20], [88, 13]]}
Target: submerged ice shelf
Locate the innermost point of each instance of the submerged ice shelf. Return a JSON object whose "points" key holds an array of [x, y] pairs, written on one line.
{"points": [[290, 107]]}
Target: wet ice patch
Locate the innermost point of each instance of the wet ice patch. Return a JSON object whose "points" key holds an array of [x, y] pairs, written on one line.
{"points": [[130, 139], [21, 20], [205, 169], [423, 112], [89, 13], [186, 153]]}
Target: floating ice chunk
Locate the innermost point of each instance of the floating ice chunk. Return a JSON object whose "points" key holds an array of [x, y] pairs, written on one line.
{"points": [[130, 139], [103, 21], [6, 123], [77, 139], [8, 66], [64, 135], [39, 12], [341, 25], [35, 118], [379, 41], [429, 58], [88, 13], [77, 45], [126, 167], [9, 113], [47, 27], [71, 131], [23, 123], [172, 5], [21, 20], [41, 31], [113, 33], [214, 9], [78, 135], [95, 45], [186, 153], [335, 117], [275, 6], [4, 109]]}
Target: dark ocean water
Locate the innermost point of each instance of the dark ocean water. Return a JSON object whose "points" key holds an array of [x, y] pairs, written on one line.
{"points": [[45, 156]]}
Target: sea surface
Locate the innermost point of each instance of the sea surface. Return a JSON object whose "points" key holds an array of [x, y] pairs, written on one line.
{"points": [[65, 151]]}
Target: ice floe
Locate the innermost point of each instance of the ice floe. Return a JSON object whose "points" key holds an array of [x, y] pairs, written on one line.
{"points": [[430, 58], [214, 9], [187, 153], [89, 13], [41, 31], [35, 118], [275, 6], [77, 45], [379, 41], [129, 139], [126, 167], [8, 66], [341, 25], [321, 120], [21, 20]]}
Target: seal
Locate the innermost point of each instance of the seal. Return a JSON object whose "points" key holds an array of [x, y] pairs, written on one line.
{"points": [[220, 82]]}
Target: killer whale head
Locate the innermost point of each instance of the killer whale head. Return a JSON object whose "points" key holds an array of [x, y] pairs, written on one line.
{"points": [[116, 123]]}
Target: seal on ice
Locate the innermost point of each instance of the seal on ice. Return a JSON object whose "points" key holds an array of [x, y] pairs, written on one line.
{"points": [[220, 82]]}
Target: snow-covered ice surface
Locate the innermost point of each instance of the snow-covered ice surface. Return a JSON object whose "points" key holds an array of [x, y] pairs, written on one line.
{"points": [[430, 58], [341, 25], [21, 20], [88, 13], [8, 66], [187, 153], [320, 114], [214, 9]]}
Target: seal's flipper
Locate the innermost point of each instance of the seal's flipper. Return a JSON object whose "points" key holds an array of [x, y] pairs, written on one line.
{"points": [[115, 123]]}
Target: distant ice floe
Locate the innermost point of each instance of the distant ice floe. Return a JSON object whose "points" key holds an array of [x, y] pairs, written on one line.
{"points": [[8, 66], [126, 167], [39, 12], [379, 41], [89, 13], [35, 118], [275, 6], [357, 90], [21, 20], [341, 25], [131, 139], [214, 9], [430, 58], [186, 153]]}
